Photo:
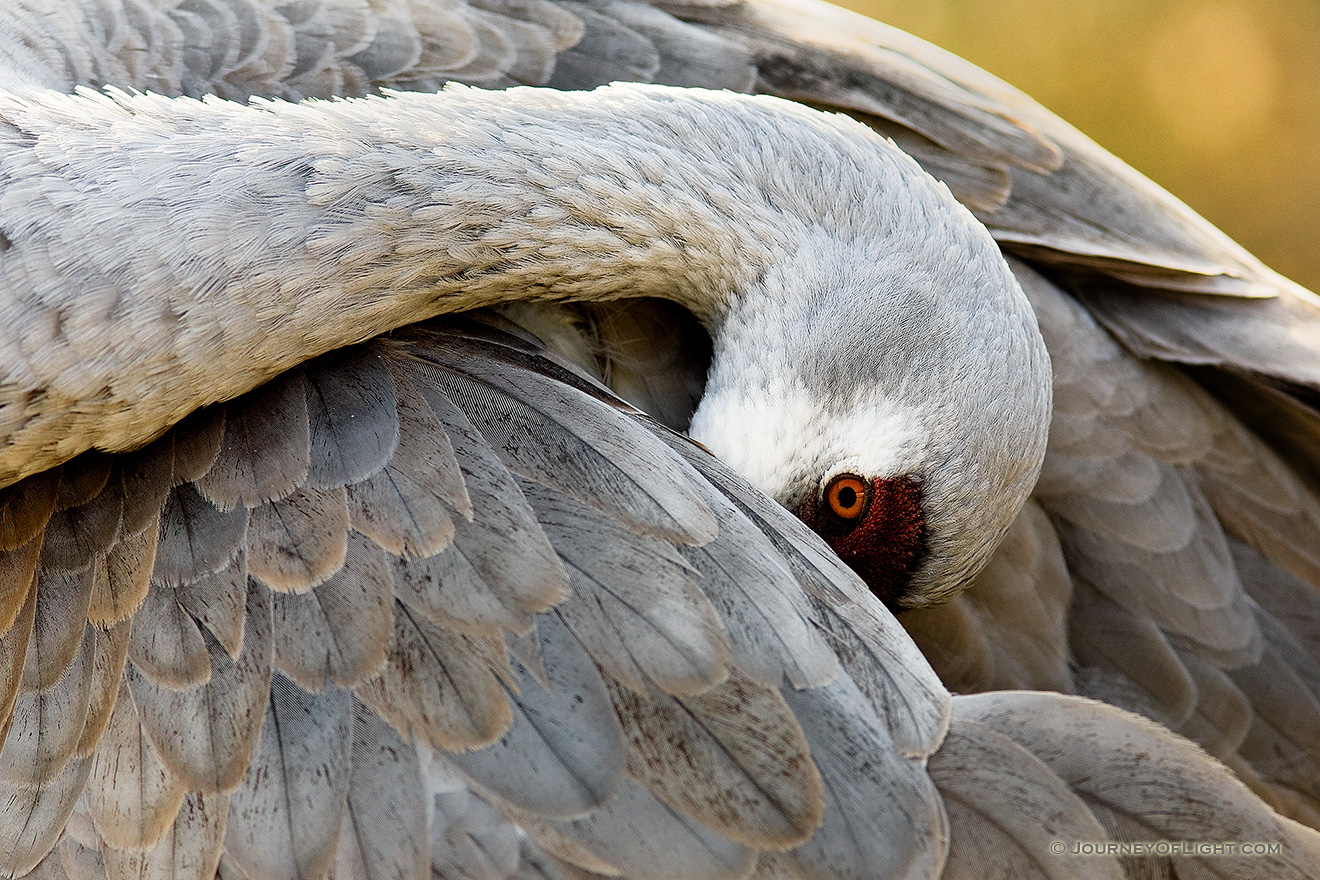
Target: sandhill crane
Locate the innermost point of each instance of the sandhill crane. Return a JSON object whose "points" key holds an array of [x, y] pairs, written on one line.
{"points": [[330, 551]]}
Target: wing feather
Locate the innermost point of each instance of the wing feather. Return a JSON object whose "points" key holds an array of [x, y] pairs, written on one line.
{"points": [[607, 51], [341, 630], [192, 445], [147, 476], [26, 509], [883, 816], [82, 479], [395, 47], [1223, 713], [219, 602], [298, 542], [493, 53], [470, 838], [63, 599], [196, 537], [352, 414], [634, 831], [76, 535], [1145, 783], [1261, 501], [188, 850], [501, 566], [46, 726], [119, 590], [284, 819], [733, 758], [405, 507], [586, 451], [107, 671], [34, 815], [77, 861], [689, 55], [447, 42], [634, 606], [266, 451], [131, 794], [206, 734], [1108, 636], [440, 686], [384, 830], [1008, 812], [18, 571], [771, 626], [13, 657], [1283, 742], [538, 865], [563, 754], [1010, 629], [166, 645], [903, 691]]}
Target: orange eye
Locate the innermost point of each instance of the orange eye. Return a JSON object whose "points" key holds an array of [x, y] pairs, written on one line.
{"points": [[848, 497]]}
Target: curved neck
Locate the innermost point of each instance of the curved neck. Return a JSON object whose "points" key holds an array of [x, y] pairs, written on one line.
{"points": [[170, 253]]}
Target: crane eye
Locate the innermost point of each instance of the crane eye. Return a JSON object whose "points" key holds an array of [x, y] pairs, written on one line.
{"points": [[848, 497]]}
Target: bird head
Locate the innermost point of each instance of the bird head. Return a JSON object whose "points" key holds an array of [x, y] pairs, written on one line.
{"points": [[893, 391]]}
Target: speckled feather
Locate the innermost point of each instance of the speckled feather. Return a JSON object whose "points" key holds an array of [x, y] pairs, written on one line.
{"points": [[320, 694]]}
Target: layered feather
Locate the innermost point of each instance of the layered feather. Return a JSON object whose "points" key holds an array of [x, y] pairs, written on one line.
{"points": [[377, 555], [274, 718]]}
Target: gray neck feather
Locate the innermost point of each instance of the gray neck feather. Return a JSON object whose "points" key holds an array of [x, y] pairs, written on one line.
{"points": [[162, 254]]}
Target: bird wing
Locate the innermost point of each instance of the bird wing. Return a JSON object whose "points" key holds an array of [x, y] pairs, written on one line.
{"points": [[307, 629], [434, 557], [1177, 565], [1190, 548], [351, 625]]}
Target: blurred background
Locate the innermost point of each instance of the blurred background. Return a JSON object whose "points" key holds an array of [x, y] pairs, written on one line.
{"points": [[1218, 101]]}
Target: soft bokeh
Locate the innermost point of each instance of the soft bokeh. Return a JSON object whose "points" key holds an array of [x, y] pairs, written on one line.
{"points": [[1218, 100]]}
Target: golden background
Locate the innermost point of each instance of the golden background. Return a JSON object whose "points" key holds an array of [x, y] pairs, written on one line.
{"points": [[1217, 101]]}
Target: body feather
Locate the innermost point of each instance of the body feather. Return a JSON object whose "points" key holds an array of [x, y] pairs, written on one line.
{"points": [[441, 603]]}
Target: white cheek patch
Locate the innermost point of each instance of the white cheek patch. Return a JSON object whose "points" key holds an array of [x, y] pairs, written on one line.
{"points": [[786, 441], [882, 439], [766, 440]]}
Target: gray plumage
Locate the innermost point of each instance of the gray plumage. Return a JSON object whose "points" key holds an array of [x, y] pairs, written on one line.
{"points": [[46, 727], [873, 807], [773, 633], [285, 817], [132, 796], [278, 601], [441, 686], [196, 537], [361, 390], [206, 734], [266, 450], [33, 815], [563, 753], [120, 587], [62, 600], [1034, 811], [395, 507], [640, 615], [383, 832], [345, 623], [732, 757], [169, 649]]}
